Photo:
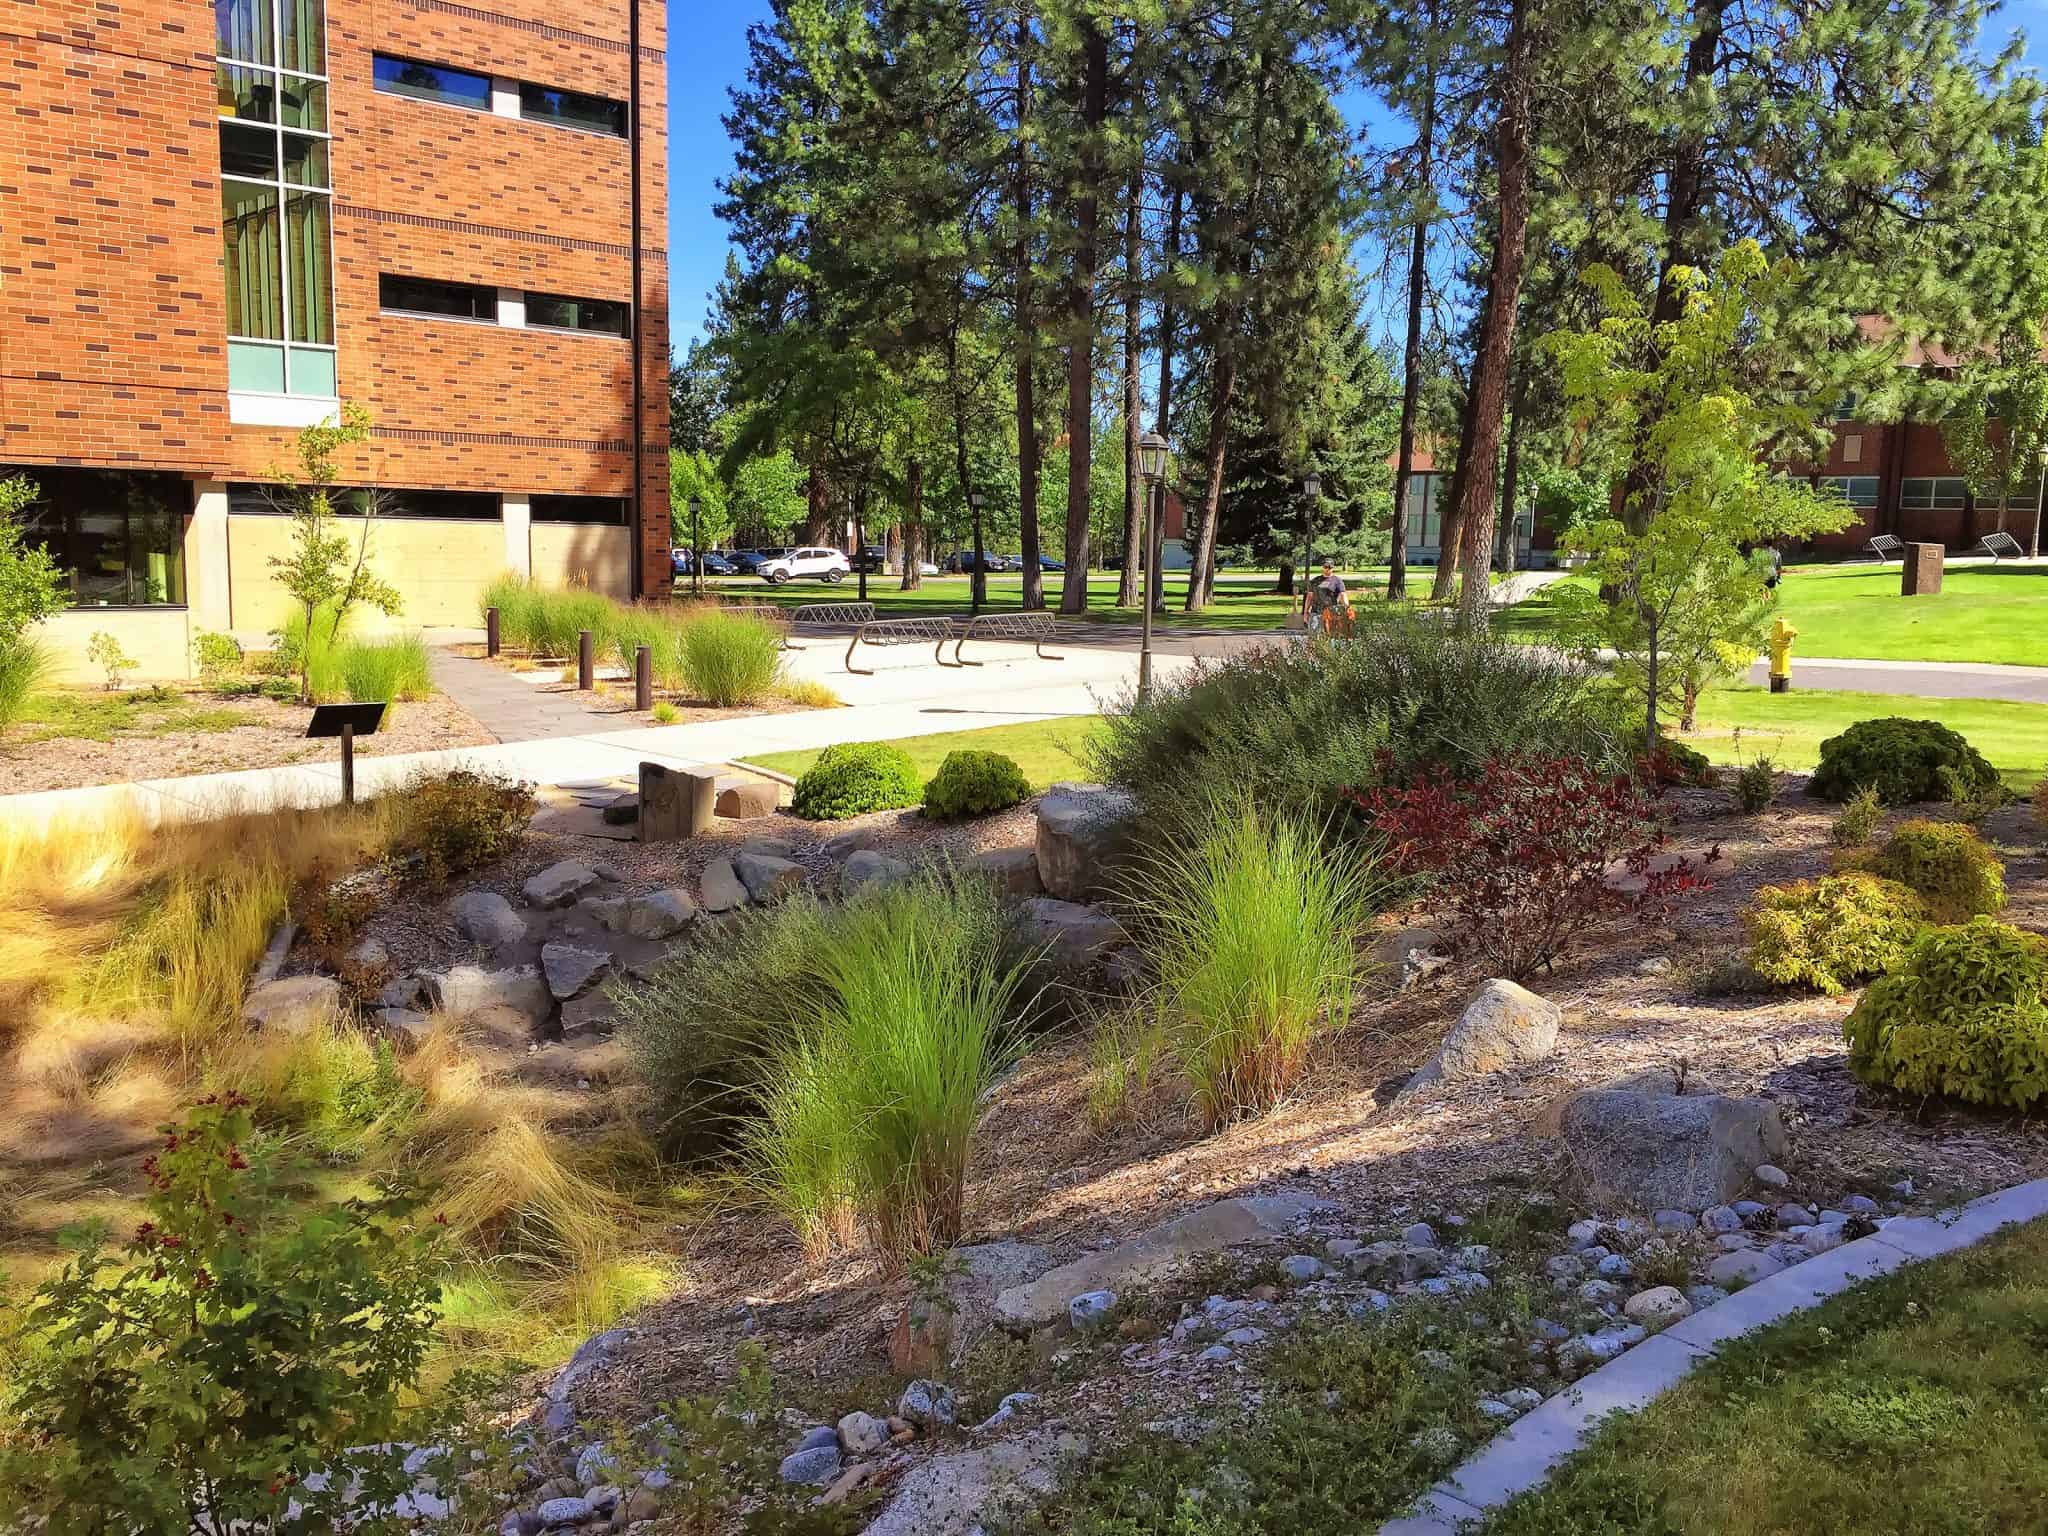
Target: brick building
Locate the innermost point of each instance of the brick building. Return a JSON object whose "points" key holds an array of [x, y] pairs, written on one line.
{"points": [[217, 221]]}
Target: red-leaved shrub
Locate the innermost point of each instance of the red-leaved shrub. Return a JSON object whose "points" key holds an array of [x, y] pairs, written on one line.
{"points": [[1529, 851]]}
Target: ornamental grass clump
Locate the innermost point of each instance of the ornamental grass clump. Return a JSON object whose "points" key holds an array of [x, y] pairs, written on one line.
{"points": [[1962, 1017], [1251, 925], [1831, 933], [727, 659]]}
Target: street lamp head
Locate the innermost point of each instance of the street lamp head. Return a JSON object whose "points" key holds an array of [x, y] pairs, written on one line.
{"points": [[1313, 485], [977, 499], [1154, 456], [696, 505]]}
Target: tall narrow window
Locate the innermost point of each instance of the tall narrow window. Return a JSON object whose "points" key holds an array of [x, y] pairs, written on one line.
{"points": [[276, 199]]}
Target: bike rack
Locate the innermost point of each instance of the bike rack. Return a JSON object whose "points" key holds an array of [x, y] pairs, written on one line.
{"points": [[829, 613], [1035, 627], [902, 632]]}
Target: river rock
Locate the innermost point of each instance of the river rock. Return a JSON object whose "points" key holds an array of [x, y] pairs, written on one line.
{"points": [[570, 969], [464, 989], [1504, 1025], [868, 868], [766, 877], [559, 884], [1657, 1306], [486, 918], [720, 887], [291, 1004]]}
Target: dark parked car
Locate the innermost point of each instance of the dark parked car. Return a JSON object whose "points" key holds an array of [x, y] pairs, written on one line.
{"points": [[961, 561], [871, 559], [715, 564], [748, 562], [1047, 563]]}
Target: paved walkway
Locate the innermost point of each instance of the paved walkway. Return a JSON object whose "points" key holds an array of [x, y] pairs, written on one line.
{"points": [[508, 704]]}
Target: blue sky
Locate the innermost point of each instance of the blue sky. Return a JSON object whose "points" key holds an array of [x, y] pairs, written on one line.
{"points": [[708, 55]]}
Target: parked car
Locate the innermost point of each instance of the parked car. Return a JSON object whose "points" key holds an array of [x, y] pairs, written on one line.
{"points": [[873, 558], [748, 562], [715, 564], [1047, 563], [926, 568], [961, 561], [812, 563]]}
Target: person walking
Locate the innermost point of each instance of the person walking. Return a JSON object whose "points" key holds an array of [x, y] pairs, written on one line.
{"points": [[1326, 605]]}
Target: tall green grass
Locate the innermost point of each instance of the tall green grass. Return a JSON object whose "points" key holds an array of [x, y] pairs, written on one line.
{"points": [[1252, 923], [363, 669], [546, 621], [24, 666], [730, 659]]}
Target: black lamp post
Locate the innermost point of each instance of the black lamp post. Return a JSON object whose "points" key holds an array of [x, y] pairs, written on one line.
{"points": [[1311, 494], [978, 579], [696, 546], [1154, 461]]}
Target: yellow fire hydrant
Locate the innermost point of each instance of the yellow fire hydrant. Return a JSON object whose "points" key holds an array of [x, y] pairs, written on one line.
{"points": [[1782, 636]]}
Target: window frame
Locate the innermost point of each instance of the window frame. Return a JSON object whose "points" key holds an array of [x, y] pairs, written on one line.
{"points": [[575, 125], [1934, 501], [624, 306], [379, 87], [34, 528], [285, 190], [1840, 483], [488, 291], [623, 504]]}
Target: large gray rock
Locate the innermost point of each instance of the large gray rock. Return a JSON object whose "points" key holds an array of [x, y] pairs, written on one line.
{"points": [[559, 884], [870, 869], [1084, 834], [965, 1491], [719, 887], [766, 877], [1070, 935], [570, 969], [1668, 1152], [1211, 1229], [486, 918], [1503, 1026], [1013, 871], [292, 1003], [658, 915], [464, 989]]}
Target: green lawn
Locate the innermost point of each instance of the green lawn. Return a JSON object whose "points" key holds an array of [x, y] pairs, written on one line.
{"points": [[1045, 749], [1982, 613], [1789, 727], [1913, 1405]]}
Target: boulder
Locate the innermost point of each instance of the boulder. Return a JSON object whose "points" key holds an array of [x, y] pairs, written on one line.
{"points": [[464, 989], [868, 868], [927, 1404], [1504, 1025], [291, 1003], [719, 887], [1070, 935], [816, 1466], [860, 1433], [968, 1491], [746, 799], [1659, 1305], [570, 969], [1084, 834], [407, 1027], [367, 955], [1667, 1152], [559, 884], [658, 915], [766, 877], [1013, 871], [486, 918]]}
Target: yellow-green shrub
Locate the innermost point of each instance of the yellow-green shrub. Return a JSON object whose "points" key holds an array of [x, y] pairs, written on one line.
{"points": [[1830, 933], [1962, 1017], [1947, 864]]}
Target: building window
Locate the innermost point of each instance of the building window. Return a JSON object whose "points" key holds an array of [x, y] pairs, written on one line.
{"points": [[119, 535], [1859, 491], [252, 500], [573, 109], [1926, 493], [426, 296], [556, 312], [1425, 491], [609, 510], [432, 82], [275, 199]]}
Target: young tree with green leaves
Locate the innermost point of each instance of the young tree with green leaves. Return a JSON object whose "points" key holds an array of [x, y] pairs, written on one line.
{"points": [[1680, 567], [32, 584]]}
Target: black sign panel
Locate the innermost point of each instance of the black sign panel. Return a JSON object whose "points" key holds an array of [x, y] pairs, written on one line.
{"points": [[328, 719]]}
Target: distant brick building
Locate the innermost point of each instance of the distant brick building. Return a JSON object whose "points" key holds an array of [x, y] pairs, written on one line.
{"points": [[217, 220]]}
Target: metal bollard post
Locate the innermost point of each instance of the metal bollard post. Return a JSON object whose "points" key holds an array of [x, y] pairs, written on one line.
{"points": [[490, 631], [643, 678], [585, 661]]}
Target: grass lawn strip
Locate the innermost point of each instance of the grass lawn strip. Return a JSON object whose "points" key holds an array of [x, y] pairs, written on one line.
{"points": [[1910, 1403], [1046, 750]]}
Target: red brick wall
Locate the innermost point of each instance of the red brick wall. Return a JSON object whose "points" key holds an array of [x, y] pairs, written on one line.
{"points": [[112, 316]]}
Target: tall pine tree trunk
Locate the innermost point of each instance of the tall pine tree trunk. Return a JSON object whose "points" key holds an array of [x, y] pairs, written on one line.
{"points": [[1094, 102], [1134, 488], [1411, 381], [1504, 288], [1449, 508], [1222, 395], [1162, 421], [817, 508], [1510, 478], [913, 525], [1027, 410]]}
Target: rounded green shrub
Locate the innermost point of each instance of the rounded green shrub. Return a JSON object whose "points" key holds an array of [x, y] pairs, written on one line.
{"points": [[1961, 1018], [855, 778], [1902, 760], [1830, 933], [1948, 865], [1675, 763], [974, 783]]}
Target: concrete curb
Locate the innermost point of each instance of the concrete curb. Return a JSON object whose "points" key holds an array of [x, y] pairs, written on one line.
{"points": [[1524, 1456]]}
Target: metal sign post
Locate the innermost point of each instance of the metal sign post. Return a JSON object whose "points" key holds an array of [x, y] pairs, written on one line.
{"points": [[346, 721]]}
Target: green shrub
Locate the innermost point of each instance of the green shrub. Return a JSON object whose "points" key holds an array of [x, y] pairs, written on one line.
{"points": [[1902, 760], [24, 667], [218, 657], [1830, 933], [1858, 822], [104, 651], [974, 783], [1675, 763], [453, 822], [1962, 1017], [854, 778], [1251, 926], [1298, 726], [729, 658], [1756, 786], [1950, 867], [240, 1343]]}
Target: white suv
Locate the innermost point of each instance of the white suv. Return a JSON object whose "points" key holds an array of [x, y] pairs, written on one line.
{"points": [[818, 564]]}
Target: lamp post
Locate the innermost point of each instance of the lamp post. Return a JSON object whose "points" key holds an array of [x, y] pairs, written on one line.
{"points": [[977, 580], [1311, 494], [1154, 458], [696, 546]]}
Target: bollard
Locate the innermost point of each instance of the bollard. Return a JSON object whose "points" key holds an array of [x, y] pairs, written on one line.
{"points": [[585, 661], [490, 631], [643, 678]]}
